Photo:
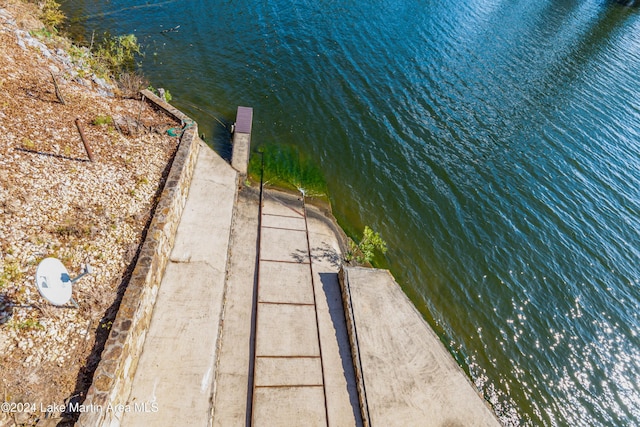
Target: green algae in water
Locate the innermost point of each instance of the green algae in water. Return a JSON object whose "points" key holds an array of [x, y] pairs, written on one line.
{"points": [[285, 166]]}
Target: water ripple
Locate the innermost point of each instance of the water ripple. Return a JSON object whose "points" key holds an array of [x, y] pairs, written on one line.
{"points": [[493, 144]]}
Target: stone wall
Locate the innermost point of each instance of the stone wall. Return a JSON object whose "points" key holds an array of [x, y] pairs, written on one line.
{"points": [[114, 376], [352, 331]]}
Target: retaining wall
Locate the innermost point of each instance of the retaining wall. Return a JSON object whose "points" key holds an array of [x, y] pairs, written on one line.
{"points": [[114, 376]]}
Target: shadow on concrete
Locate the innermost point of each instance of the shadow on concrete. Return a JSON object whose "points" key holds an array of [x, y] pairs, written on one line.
{"points": [[220, 141], [288, 200], [324, 253], [327, 254], [300, 256], [331, 288]]}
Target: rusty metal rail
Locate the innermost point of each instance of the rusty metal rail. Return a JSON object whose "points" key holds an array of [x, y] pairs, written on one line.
{"points": [[313, 285]]}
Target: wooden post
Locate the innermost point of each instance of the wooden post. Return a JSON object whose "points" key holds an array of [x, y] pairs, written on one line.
{"points": [[58, 92], [84, 141]]}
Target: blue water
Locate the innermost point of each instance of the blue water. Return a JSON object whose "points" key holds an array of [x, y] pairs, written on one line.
{"points": [[494, 145]]}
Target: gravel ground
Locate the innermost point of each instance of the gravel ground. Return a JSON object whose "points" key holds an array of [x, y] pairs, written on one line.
{"points": [[55, 203]]}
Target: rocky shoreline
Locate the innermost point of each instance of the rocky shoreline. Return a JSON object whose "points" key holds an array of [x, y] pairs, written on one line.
{"points": [[54, 202]]}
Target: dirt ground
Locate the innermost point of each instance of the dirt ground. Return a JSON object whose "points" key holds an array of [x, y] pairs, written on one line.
{"points": [[56, 203]]}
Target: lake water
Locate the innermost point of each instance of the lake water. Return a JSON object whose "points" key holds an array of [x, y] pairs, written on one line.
{"points": [[495, 145]]}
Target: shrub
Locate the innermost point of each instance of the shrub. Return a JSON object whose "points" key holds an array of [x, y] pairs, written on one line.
{"points": [[363, 252], [72, 229], [27, 324], [102, 120], [116, 55], [51, 15], [131, 83], [161, 92], [10, 273]]}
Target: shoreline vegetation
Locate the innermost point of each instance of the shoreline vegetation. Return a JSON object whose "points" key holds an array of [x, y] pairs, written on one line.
{"points": [[108, 57], [55, 202]]}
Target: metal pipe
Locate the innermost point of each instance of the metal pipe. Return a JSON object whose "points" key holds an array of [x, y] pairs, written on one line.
{"points": [[84, 140]]}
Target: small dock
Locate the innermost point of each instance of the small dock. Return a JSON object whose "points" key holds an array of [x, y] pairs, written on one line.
{"points": [[242, 139], [251, 324]]}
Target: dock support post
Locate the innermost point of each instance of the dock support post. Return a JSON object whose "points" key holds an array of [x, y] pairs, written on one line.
{"points": [[242, 140]]}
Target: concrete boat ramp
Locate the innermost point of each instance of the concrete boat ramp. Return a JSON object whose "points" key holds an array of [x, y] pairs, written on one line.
{"points": [[254, 326]]}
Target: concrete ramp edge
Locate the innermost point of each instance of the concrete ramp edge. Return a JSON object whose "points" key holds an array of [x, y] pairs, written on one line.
{"points": [[352, 331]]}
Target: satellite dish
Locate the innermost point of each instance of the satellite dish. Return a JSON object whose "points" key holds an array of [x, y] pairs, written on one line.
{"points": [[53, 281]]}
